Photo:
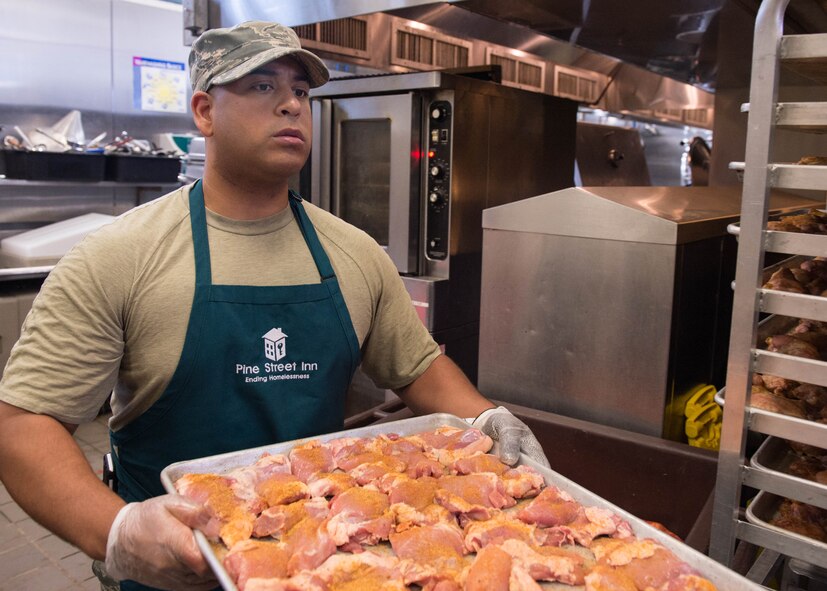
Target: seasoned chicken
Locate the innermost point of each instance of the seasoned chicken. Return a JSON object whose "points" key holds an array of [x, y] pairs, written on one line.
{"points": [[547, 564], [472, 495], [275, 521], [791, 345], [769, 401], [812, 222], [491, 571], [648, 565], [784, 280], [359, 516], [256, 559], [436, 550], [448, 444], [803, 519], [441, 502], [501, 527], [311, 458]]}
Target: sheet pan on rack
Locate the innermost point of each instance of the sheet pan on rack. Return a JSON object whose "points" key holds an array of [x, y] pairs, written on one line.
{"points": [[764, 508], [724, 578], [769, 326], [776, 455]]}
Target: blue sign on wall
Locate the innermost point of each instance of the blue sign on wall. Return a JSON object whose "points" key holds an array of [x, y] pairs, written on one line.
{"points": [[159, 85]]}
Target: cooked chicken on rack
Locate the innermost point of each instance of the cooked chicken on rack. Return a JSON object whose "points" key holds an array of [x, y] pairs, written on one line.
{"points": [[784, 280], [770, 401], [802, 519], [812, 222], [810, 468], [775, 384], [791, 345]]}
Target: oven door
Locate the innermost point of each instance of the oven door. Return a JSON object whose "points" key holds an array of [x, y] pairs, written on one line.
{"points": [[366, 168]]}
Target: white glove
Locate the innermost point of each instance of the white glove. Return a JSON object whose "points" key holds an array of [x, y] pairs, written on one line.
{"points": [[152, 543], [513, 435]]}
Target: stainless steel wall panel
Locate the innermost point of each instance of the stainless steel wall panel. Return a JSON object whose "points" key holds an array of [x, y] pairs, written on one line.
{"points": [[610, 304], [60, 55], [56, 52], [565, 327]]}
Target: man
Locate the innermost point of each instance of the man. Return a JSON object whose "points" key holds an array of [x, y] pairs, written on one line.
{"points": [[226, 315]]}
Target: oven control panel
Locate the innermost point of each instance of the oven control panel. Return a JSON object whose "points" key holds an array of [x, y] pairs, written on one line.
{"points": [[438, 180]]}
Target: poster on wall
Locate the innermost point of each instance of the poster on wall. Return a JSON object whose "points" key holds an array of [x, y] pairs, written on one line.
{"points": [[159, 85]]}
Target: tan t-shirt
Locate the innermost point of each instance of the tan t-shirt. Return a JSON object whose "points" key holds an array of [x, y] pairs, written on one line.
{"points": [[114, 311]]}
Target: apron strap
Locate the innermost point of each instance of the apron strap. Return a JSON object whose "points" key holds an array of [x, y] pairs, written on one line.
{"points": [[311, 238], [198, 221]]}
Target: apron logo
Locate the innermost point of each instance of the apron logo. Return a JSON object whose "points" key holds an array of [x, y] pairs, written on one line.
{"points": [[275, 347]]}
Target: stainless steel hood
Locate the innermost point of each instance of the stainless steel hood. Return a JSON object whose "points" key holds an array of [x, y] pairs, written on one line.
{"points": [[655, 55]]}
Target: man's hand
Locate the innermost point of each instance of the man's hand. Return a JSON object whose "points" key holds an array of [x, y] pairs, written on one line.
{"points": [[152, 543], [512, 434]]}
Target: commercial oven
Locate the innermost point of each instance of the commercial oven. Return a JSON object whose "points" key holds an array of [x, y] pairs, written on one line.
{"points": [[413, 159]]}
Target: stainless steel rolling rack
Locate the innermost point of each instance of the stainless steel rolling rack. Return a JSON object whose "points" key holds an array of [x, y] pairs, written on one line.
{"points": [[806, 54]]}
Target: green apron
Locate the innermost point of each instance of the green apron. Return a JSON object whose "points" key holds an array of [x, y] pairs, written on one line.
{"points": [[259, 365]]}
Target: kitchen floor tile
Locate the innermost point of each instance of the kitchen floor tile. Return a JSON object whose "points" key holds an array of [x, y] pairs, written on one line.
{"points": [[20, 560], [13, 512], [47, 577], [32, 529]]}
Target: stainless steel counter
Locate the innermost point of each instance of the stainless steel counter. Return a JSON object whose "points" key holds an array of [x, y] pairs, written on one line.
{"points": [[610, 304]]}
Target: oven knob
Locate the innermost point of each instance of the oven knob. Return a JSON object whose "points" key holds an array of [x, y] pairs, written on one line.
{"points": [[436, 199], [438, 113], [436, 171]]}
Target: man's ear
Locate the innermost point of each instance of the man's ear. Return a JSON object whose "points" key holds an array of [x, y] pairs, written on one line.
{"points": [[201, 105]]}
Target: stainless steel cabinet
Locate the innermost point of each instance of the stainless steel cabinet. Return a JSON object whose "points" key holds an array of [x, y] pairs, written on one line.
{"points": [[808, 55]]}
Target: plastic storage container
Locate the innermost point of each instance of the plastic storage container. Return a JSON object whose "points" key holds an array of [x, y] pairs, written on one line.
{"points": [[53, 166], [127, 168], [49, 243]]}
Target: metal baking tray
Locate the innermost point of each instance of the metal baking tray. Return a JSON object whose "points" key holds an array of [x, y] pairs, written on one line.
{"points": [[774, 457], [762, 509], [735, 227], [771, 325], [793, 262], [724, 578], [772, 423]]}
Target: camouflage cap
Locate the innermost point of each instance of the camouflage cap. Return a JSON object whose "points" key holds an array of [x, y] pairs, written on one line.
{"points": [[221, 56]]}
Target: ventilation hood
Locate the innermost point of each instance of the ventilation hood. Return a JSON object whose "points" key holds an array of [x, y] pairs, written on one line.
{"points": [[656, 55]]}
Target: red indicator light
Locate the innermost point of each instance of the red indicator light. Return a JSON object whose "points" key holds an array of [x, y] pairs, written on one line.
{"points": [[431, 153]]}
